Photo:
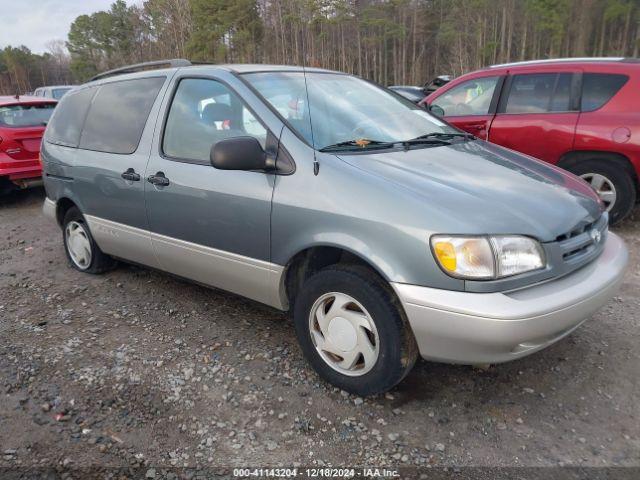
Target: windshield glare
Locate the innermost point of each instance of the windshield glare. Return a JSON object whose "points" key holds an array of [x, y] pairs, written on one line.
{"points": [[343, 108], [26, 115]]}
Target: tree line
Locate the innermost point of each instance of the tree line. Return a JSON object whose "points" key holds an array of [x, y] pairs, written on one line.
{"points": [[388, 41], [22, 71]]}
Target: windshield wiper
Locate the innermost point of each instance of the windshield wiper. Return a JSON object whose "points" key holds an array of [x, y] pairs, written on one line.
{"points": [[361, 143], [444, 136], [435, 138], [423, 141]]}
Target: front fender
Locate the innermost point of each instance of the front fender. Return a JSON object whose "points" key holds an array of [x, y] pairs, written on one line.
{"points": [[361, 213]]}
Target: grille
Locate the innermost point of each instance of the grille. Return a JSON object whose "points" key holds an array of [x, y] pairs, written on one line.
{"points": [[582, 242], [577, 231]]}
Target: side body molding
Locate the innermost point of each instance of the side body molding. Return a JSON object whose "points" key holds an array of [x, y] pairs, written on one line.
{"points": [[245, 276]]}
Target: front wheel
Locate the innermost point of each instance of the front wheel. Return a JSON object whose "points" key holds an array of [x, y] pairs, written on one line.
{"points": [[352, 332]]}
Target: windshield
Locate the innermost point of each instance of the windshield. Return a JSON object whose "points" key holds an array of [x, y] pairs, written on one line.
{"points": [[58, 93], [26, 115], [342, 109]]}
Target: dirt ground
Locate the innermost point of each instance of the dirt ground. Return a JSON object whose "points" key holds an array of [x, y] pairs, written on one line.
{"points": [[135, 368]]}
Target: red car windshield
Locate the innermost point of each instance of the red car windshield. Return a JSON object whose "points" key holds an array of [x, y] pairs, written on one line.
{"points": [[26, 115]]}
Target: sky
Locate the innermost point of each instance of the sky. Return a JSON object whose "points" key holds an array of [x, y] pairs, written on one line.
{"points": [[35, 22]]}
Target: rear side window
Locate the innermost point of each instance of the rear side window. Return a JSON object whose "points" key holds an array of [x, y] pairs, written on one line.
{"points": [[66, 124], [36, 115], [118, 115], [599, 88], [540, 93]]}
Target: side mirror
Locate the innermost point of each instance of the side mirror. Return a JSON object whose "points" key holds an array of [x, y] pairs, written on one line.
{"points": [[239, 153], [436, 110]]}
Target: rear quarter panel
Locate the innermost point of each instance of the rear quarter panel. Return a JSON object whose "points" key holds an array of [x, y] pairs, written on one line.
{"points": [[57, 172], [614, 127]]}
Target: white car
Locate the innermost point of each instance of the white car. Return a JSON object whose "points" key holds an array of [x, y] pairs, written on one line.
{"points": [[53, 91]]}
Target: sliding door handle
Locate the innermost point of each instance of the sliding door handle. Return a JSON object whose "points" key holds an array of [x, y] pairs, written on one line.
{"points": [[158, 179], [131, 175]]}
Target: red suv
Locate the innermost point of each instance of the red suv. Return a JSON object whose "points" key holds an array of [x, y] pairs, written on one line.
{"points": [[580, 114], [22, 123]]}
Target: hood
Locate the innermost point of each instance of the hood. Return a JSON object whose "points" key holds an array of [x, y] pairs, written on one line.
{"points": [[482, 188]]}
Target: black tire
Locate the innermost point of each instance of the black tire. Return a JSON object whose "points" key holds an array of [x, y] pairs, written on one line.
{"points": [[397, 347], [6, 186], [100, 262], [618, 175]]}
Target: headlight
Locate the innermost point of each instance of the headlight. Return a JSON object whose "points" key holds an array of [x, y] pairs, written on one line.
{"points": [[517, 255], [487, 257]]}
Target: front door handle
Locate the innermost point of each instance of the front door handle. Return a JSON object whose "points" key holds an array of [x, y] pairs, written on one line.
{"points": [[131, 175], [158, 179]]}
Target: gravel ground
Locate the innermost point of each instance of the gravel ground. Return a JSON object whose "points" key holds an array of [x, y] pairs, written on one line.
{"points": [[136, 368]]}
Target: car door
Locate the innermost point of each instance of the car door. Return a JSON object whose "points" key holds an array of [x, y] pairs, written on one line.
{"points": [[470, 105], [210, 225], [110, 162], [538, 113]]}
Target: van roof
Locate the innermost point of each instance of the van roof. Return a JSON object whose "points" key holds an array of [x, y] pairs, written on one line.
{"points": [[155, 67], [256, 67]]}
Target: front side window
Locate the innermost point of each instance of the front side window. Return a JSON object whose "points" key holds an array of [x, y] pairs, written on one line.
{"points": [[599, 88], [36, 115], [202, 113], [343, 109], [118, 115], [539, 93], [469, 98]]}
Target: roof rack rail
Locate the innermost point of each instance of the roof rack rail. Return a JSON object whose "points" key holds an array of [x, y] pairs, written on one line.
{"points": [[559, 60], [176, 62]]}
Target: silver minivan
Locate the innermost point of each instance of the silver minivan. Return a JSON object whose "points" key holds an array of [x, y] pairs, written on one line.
{"points": [[385, 231]]}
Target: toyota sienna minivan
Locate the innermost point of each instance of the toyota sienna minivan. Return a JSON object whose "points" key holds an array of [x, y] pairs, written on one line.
{"points": [[385, 231]]}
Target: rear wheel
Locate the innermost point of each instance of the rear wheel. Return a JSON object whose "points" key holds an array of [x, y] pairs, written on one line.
{"points": [[82, 251], [352, 332], [6, 186], [613, 184]]}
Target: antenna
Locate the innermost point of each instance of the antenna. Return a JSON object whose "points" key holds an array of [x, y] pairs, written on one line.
{"points": [[316, 164]]}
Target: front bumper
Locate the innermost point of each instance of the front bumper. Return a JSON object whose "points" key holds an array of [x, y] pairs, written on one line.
{"points": [[475, 328]]}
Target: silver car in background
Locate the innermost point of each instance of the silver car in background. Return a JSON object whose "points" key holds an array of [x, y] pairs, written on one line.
{"points": [[385, 231]]}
